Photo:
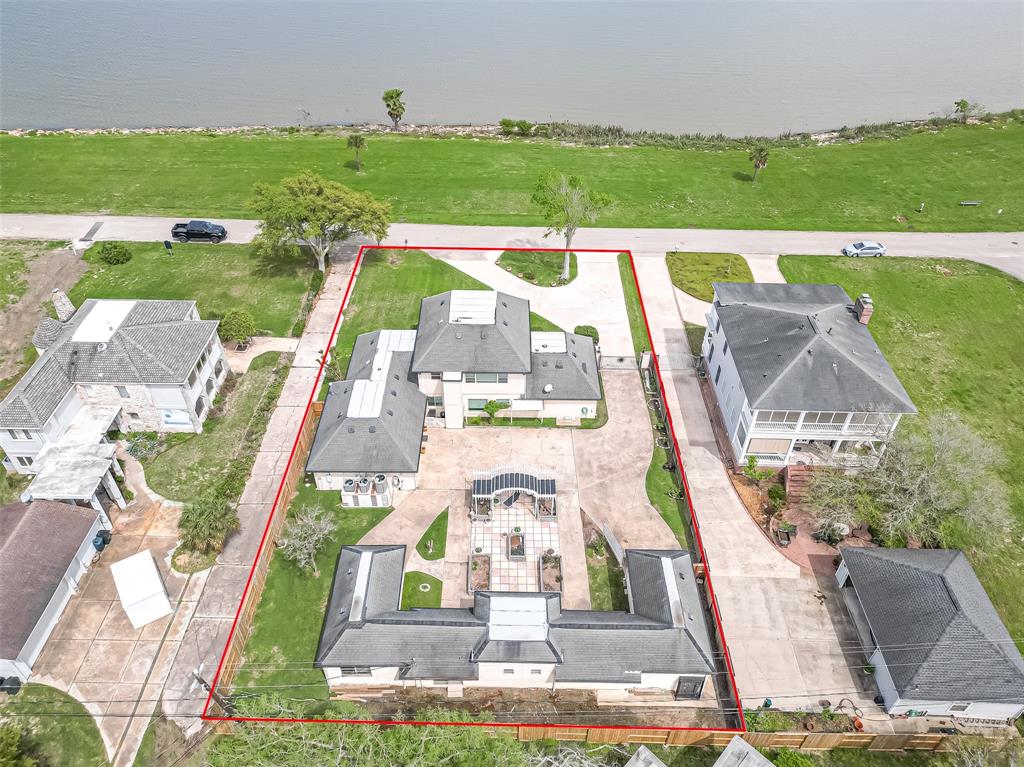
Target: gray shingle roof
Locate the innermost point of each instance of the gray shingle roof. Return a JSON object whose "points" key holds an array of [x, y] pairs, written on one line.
{"points": [[38, 541], [935, 626], [501, 347], [387, 442], [154, 344], [800, 347], [572, 374], [47, 332], [447, 643]]}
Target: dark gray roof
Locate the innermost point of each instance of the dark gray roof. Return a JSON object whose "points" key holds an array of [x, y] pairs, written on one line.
{"points": [[154, 344], [935, 626], [501, 347], [38, 541], [800, 347], [386, 442], [572, 374], [47, 332], [447, 643]]}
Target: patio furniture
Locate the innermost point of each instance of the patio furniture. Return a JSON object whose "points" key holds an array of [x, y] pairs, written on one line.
{"points": [[517, 546]]}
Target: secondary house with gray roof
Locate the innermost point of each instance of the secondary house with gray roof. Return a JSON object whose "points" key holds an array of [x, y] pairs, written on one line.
{"points": [[934, 639], [111, 364], [517, 639], [798, 377]]}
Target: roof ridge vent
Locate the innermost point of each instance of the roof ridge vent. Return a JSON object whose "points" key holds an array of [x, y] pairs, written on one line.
{"points": [[373, 429]]}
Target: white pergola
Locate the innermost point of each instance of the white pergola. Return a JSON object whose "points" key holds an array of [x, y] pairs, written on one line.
{"points": [[503, 484]]}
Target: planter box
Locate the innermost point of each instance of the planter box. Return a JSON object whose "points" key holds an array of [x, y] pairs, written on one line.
{"points": [[550, 572], [479, 572]]}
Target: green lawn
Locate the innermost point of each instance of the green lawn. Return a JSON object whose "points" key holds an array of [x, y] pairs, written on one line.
{"points": [[388, 291], [541, 267], [437, 534], [287, 625], [218, 277], [954, 333], [637, 326], [693, 273], [694, 336], [413, 594], [607, 581], [871, 185], [60, 732], [193, 462]]}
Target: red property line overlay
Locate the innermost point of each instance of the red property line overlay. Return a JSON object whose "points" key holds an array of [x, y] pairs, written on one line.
{"points": [[205, 716]]}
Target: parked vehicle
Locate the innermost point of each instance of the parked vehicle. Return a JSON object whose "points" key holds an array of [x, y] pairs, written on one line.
{"points": [[203, 231], [865, 248]]}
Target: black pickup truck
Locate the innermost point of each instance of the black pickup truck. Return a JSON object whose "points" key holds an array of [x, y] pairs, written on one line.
{"points": [[202, 231]]}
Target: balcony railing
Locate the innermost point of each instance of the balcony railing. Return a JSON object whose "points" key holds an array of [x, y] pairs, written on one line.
{"points": [[769, 458], [863, 429]]}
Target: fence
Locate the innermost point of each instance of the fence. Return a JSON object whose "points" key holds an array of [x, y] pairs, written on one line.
{"points": [[292, 477]]}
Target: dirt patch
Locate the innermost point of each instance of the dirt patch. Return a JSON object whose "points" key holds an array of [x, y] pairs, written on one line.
{"points": [[754, 499], [47, 269], [551, 572], [480, 569]]}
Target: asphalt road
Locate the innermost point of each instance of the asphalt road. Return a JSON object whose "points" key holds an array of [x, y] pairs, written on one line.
{"points": [[1002, 250]]}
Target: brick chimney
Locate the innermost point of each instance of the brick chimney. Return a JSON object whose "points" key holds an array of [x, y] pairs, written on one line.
{"points": [[62, 304], [863, 308]]}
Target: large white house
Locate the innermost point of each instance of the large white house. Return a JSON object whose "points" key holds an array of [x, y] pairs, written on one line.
{"points": [[471, 347], [112, 364], [798, 377], [934, 639]]}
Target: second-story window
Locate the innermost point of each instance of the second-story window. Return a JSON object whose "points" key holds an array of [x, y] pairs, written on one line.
{"points": [[122, 391], [20, 435], [435, 376]]}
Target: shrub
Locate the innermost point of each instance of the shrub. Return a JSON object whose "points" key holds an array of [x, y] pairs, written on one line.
{"points": [[115, 253], [777, 496], [237, 325], [589, 331], [508, 126], [316, 282], [206, 522], [525, 127]]}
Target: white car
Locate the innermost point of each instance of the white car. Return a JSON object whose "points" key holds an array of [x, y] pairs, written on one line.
{"points": [[865, 248]]}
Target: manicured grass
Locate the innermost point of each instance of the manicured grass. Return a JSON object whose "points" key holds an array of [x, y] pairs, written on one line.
{"points": [[388, 291], [413, 594], [693, 273], [12, 486], [437, 534], [662, 487], [952, 330], [287, 625], [541, 267], [194, 462], [872, 185], [607, 581], [15, 256], [59, 729], [217, 277], [694, 336], [637, 327]]}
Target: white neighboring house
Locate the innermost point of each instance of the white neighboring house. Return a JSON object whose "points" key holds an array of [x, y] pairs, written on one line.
{"points": [[471, 347], [45, 550], [798, 377], [137, 365], [939, 647]]}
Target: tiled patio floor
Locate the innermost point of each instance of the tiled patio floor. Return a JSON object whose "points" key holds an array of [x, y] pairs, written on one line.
{"points": [[491, 537]]}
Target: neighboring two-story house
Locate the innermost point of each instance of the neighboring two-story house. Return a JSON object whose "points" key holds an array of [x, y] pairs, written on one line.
{"points": [[112, 364], [798, 377], [471, 347]]}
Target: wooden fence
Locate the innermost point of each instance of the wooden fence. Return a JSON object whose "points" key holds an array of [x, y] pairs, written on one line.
{"points": [[296, 470]]}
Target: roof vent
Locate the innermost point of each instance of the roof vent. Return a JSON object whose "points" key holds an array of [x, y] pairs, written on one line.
{"points": [[101, 346], [483, 334], [505, 323], [394, 393], [391, 412], [504, 304], [835, 368], [395, 376], [373, 430], [559, 365], [458, 335], [548, 388], [351, 429]]}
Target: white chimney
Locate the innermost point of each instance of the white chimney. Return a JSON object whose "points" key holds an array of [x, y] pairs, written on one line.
{"points": [[62, 304], [863, 308]]}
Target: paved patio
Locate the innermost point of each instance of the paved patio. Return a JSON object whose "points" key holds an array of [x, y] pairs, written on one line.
{"points": [[540, 535]]}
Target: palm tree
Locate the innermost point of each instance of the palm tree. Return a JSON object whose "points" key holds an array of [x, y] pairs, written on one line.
{"points": [[758, 156], [357, 143], [394, 104], [963, 108]]}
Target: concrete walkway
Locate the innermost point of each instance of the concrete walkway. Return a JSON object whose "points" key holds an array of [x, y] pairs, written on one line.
{"points": [[1002, 250], [204, 640], [239, 361]]}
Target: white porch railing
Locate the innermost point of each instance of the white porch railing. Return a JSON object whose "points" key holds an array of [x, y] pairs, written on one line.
{"points": [[769, 458]]}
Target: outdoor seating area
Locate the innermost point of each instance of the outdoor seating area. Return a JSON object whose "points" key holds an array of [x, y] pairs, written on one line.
{"points": [[514, 540], [514, 486]]}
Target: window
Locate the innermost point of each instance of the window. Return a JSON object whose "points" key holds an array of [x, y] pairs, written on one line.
{"points": [[477, 404], [535, 671], [865, 419], [24, 460], [134, 416], [435, 376], [718, 323], [718, 373], [711, 353], [483, 378], [435, 401], [21, 435], [825, 418], [777, 418], [508, 671], [959, 707], [192, 378], [725, 347], [122, 391], [741, 434], [502, 377]]}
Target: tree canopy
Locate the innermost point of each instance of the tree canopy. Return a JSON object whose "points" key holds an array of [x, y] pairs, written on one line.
{"points": [[357, 143], [316, 213], [305, 536], [567, 204], [759, 156], [394, 104]]}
